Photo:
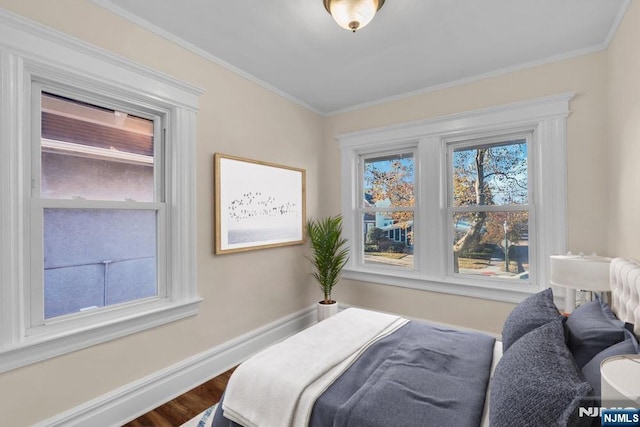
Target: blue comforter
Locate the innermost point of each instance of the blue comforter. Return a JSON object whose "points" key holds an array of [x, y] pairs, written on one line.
{"points": [[421, 375]]}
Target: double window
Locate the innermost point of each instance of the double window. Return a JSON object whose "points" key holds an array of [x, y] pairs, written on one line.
{"points": [[456, 204], [98, 197]]}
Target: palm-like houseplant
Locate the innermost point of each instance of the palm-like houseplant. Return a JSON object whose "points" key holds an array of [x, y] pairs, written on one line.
{"points": [[329, 252]]}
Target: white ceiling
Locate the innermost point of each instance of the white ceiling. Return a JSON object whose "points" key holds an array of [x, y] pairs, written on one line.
{"points": [[294, 48]]}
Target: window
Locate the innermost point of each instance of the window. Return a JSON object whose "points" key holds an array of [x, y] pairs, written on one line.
{"points": [[454, 204], [489, 204], [95, 207], [387, 212], [98, 197]]}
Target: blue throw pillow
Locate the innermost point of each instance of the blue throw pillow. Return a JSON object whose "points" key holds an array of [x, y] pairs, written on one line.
{"points": [[535, 311], [591, 370], [537, 383], [591, 328], [606, 310]]}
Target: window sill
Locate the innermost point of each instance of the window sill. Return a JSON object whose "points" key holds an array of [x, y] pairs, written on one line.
{"points": [[39, 348], [484, 289]]}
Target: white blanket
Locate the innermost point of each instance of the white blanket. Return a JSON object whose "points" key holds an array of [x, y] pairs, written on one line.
{"points": [[278, 386]]}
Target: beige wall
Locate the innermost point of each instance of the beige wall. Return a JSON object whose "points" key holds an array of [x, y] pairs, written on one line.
{"points": [[241, 291], [587, 173], [623, 141], [240, 118]]}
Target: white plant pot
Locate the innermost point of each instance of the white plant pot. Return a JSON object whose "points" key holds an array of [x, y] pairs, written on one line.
{"points": [[326, 310]]}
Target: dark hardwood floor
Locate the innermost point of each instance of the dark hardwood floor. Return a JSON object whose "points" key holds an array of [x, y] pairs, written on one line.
{"points": [[184, 407]]}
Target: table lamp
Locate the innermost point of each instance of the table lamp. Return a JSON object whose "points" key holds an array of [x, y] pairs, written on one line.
{"points": [[579, 272]]}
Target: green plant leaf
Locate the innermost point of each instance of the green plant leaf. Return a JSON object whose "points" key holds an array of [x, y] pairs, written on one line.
{"points": [[329, 255]]}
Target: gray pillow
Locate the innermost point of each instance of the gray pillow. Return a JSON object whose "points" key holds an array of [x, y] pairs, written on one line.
{"points": [[537, 383], [591, 328], [591, 370], [535, 311], [606, 310]]}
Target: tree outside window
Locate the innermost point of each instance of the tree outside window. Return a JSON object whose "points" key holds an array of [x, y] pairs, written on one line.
{"points": [[388, 209], [489, 205]]}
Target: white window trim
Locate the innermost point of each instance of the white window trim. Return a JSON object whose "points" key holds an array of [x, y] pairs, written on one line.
{"points": [[545, 117], [27, 51]]}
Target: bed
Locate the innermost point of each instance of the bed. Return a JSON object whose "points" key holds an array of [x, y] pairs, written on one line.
{"points": [[365, 368]]}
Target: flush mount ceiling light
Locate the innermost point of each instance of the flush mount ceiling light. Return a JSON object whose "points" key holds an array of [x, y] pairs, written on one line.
{"points": [[353, 14]]}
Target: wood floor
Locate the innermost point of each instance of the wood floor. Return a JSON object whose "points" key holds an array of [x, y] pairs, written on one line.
{"points": [[186, 406]]}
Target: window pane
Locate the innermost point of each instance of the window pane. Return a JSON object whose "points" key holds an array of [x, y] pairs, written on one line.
{"points": [[480, 239], [388, 238], [389, 181], [94, 153], [491, 174], [95, 258]]}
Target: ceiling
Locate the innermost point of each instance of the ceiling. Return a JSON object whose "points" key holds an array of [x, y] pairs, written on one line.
{"points": [[294, 48]]}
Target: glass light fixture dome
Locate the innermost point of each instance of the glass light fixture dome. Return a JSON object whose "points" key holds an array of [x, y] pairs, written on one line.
{"points": [[353, 14]]}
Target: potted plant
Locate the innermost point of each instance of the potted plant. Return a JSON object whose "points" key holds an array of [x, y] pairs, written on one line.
{"points": [[329, 257]]}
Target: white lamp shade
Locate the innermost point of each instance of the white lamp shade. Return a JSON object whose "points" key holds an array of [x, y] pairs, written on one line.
{"points": [[619, 379], [586, 273], [353, 14]]}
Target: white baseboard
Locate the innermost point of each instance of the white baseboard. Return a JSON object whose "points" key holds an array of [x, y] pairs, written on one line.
{"points": [[132, 400]]}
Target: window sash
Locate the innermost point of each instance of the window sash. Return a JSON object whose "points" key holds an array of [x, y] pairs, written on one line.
{"points": [[34, 316], [494, 139]]}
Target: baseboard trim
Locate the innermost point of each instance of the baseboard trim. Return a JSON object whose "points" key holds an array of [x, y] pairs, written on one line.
{"points": [[134, 399]]}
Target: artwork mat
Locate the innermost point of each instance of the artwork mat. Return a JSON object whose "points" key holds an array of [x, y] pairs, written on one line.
{"points": [[260, 186]]}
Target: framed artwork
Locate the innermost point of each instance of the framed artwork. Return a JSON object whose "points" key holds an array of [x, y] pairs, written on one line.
{"points": [[257, 204]]}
